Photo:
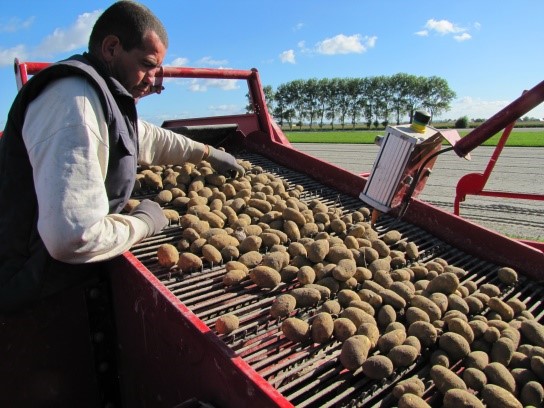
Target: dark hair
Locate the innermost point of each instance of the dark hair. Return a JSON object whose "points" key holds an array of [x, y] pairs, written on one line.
{"points": [[129, 21]]}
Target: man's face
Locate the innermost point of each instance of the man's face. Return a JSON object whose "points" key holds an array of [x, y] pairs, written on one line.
{"points": [[136, 69]]}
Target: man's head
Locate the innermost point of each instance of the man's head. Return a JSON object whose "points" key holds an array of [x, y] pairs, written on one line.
{"points": [[131, 41]]}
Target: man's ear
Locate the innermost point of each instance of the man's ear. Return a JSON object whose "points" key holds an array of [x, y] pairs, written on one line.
{"points": [[110, 47]]}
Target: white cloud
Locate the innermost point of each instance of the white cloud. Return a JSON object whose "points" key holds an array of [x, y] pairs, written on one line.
{"points": [[210, 61], [14, 24], [225, 109], [179, 62], [445, 27], [298, 26], [8, 55], [288, 56], [202, 85], [442, 26], [462, 37], [61, 40], [474, 108], [68, 39], [343, 44]]}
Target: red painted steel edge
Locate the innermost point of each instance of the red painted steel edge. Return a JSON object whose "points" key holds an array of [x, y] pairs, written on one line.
{"points": [[171, 354]]}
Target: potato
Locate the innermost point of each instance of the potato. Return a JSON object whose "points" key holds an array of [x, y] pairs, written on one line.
{"points": [[371, 297], [227, 323], [354, 352], [440, 357], [446, 283], [459, 326], [234, 276], [428, 306], [337, 253], [381, 247], [391, 237], [322, 327], [323, 291], [508, 276], [211, 254], [403, 355], [251, 259], [415, 314], [306, 275], [456, 398], [364, 306], [386, 315], [454, 344], [220, 241], [371, 331], [412, 385], [533, 331], [344, 270], [306, 297], [532, 394], [282, 306], [189, 262], [456, 302], [425, 332], [167, 255], [318, 250], [343, 329], [414, 342], [495, 396], [276, 260], [230, 265], [345, 296], [391, 339], [357, 316], [390, 297], [412, 401], [474, 378], [537, 366], [331, 306], [498, 305], [445, 379], [502, 351], [295, 329], [490, 289], [265, 277], [250, 243], [499, 375], [377, 367], [330, 283], [412, 251], [229, 253]]}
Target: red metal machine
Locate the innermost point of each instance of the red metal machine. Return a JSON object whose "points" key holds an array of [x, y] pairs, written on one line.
{"points": [[145, 337]]}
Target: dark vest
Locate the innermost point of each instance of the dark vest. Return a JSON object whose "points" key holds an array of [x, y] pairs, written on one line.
{"points": [[27, 271]]}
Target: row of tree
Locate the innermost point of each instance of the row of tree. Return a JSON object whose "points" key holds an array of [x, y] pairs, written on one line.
{"points": [[372, 100]]}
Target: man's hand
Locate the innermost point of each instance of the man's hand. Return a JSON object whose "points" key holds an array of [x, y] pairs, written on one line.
{"points": [[224, 162], [151, 213]]}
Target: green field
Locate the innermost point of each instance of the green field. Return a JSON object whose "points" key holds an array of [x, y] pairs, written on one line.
{"points": [[521, 138]]}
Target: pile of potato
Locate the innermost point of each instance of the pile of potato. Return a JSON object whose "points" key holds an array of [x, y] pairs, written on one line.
{"points": [[371, 293]]}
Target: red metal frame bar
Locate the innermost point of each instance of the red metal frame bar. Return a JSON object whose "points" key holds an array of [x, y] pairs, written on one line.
{"points": [[474, 183], [24, 69]]}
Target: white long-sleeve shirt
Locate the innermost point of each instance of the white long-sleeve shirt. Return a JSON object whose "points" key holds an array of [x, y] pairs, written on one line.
{"points": [[66, 136]]}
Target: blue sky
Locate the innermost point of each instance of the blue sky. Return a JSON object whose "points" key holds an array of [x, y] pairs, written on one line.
{"points": [[489, 51]]}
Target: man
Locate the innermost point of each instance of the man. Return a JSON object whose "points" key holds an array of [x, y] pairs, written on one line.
{"points": [[68, 159]]}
